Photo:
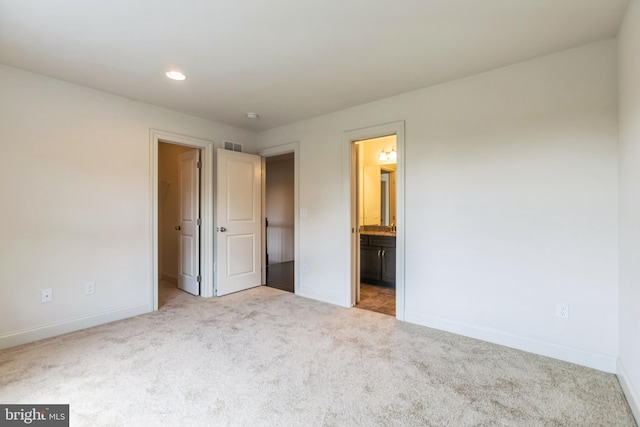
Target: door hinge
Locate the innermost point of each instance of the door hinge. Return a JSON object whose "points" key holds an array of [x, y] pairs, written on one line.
{"points": [[199, 165], [199, 278], [199, 222]]}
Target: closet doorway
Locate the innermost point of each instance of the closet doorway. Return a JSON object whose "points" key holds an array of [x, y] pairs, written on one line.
{"points": [[279, 191], [179, 216]]}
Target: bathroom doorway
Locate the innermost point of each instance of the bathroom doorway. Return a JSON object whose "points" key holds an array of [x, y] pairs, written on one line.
{"points": [[376, 168], [354, 166]]}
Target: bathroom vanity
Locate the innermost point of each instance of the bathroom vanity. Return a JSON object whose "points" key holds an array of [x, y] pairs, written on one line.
{"points": [[378, 258]]}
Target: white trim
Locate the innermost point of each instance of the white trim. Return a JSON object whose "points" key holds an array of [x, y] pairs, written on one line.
{"points": [[206, 267], [633, 398], [606, 363], [292, 147], [335, 299], [348, 138], [263, 214], [52, 330]]}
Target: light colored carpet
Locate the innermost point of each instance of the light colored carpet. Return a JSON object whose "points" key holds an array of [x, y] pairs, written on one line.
{"points": [[269, 358]]}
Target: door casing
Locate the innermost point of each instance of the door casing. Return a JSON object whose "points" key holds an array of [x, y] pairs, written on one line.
{"points": [[350, 198]]}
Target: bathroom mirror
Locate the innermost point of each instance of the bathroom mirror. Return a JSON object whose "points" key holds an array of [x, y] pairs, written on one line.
{"points": [[379, 195], [376, 162], [388, 196]]}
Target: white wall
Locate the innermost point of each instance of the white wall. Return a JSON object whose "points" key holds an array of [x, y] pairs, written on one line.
{"points": [[629, 119], [279, 200], [511, 189], [169, 208], [75, 184], [511, 203]]}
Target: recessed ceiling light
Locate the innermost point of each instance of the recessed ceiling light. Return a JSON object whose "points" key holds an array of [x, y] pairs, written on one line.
{"points": [[175, 75], [252, 116]]}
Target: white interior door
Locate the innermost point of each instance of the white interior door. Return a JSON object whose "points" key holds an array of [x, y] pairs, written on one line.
{"points": [[189, 243], [238, 221]]}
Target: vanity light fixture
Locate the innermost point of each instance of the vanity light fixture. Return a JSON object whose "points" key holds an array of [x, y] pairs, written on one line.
{"points": [[393, 156], [388, 155], [175, 75]]}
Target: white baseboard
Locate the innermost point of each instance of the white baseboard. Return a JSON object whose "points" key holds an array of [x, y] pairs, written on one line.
{"points": [[168, 278], [306, 292], [592, 360], [633, 398], [13, 339]]}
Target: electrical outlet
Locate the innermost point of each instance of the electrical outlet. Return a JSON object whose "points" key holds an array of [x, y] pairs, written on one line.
{"points": [[47, 295], [90, 288], [305, 268], [562, 310]]}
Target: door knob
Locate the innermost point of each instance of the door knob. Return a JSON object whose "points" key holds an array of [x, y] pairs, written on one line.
{"points": [[177, 227], [222, 229]]}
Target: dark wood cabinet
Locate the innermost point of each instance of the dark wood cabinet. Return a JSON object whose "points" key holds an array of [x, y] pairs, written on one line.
{"points": [[370, 263], [378, 260], [388, 273]]}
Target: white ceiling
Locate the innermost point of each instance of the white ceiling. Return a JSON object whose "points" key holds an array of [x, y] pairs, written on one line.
{"points": [[286, 59]]}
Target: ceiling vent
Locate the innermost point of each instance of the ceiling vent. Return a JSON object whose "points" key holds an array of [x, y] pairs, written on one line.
{"points": [[233, 146]]}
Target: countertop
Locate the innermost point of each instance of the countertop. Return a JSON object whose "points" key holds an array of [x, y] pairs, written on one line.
{"points": [[378, 233]]}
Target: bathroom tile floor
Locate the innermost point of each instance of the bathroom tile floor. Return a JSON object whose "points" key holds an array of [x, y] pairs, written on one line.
{"points": [[377, 298]]}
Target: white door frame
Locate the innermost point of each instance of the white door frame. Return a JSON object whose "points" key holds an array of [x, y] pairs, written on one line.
{"points": [[350, 199], [293, 147], [206, 206]]}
